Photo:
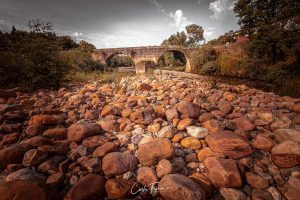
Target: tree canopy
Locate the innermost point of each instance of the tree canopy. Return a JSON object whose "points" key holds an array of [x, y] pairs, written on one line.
{"points": [[192, 37], [273, 26]]}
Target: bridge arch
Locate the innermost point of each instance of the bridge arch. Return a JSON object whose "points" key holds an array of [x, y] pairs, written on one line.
{"points": [[119, 54], [184, 58]]}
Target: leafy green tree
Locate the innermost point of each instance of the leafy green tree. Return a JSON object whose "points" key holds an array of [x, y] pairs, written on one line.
{"points": [[273, 26], [178, 39], [194, 34]]}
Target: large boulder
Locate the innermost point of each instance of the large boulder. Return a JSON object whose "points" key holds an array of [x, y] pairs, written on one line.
{"points": [[25, 174], [13, 154], [282, 135], [23, 190], [229, 144], [177, 187], [152, 152], [223, 173], [286, 154], [78, 132], [117, 163], [89, 187]]}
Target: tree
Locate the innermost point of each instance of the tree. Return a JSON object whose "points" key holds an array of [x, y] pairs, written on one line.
{"points": [[38, 26], [273, 26], [178, 39], [194, 34]]}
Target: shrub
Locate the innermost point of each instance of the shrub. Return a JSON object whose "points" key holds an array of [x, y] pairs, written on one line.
{"points": [[204, 55], [209, 68], [31, 60]]}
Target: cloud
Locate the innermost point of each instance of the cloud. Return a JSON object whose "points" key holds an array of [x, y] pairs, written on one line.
{"points": [[221, 8], [77, 34], [180, 21], [208, 33], [159, 7]]}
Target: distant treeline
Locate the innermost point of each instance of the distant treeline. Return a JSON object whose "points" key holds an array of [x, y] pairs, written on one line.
{"points": [[40, 59]]}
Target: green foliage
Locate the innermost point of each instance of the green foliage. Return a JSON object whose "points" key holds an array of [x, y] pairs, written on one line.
{"points": [[37, 59], [226, 37], [209, 67], [120, 61], [31, 60], [273, 27], [178, 39], [80, 60], [195, 34], [172, 59], [192, 37], [203, 55]]}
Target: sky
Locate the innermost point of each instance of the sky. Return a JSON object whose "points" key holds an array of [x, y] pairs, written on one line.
{"points": [[121, 23]]}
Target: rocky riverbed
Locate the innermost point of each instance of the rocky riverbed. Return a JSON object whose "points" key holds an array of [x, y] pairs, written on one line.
{"points": [[150, 137]]}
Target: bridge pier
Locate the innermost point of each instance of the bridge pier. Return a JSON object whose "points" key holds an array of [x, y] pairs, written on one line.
{"points": [[140, 68]]}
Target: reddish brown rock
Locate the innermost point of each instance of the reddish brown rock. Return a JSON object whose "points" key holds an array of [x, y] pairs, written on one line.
{"points": [[191, 143], [177, 186], [258, 194], [142, 116], [244, 124], [78, 132], [110, 110], [105, 149], [203, 182], [145, 87], [207, 152], [263, 142], [286, 154], [223, 173], [34, 157], [213, 126], [24, 190], [109, 125], [55, 180], [291, 189], [188, 109], [118, 188], [256, 181], [90, 186], [13, 154], [44, 120], [225, 106], [184, 123], [152, 152], [229, 144], [296, 108], [164, 167], [232, 194], [56, 133], [146, 176], [282, 135], [117, 163], [171, 114]]}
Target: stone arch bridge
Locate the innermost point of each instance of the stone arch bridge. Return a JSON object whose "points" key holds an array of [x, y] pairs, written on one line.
{"points": [[142, 55]]}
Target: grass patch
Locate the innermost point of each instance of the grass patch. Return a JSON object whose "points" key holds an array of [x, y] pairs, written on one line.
{"points": [[102, 77]]}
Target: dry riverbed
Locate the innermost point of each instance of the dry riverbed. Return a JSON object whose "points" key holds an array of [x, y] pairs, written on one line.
{"points": [[150, 137]]}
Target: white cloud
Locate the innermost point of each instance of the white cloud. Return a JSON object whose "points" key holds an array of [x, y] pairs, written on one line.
{"points": [[221, 7], [209, 32], [180, 21], [159, 7], [77, 34]]}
